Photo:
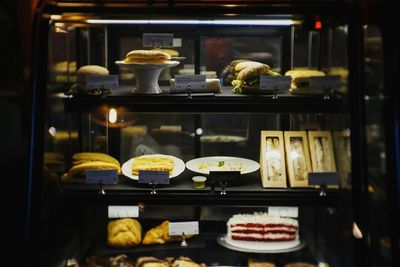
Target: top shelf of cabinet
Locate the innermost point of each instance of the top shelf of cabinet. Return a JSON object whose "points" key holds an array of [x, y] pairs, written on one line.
{"points": [[226, 102]]}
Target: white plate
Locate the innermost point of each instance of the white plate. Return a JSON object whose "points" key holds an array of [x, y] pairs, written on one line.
{"points": [[166, 64], [179, 166], [260, 247], [230, 164]]}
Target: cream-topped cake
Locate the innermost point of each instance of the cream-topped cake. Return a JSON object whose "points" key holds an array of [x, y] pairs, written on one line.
{"points": [[262, 227]]}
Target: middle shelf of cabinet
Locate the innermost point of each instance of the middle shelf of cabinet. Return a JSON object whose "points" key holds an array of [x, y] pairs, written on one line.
{"points": [[208, 103], [181, 191]]}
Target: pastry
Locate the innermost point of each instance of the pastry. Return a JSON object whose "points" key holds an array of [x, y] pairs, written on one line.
{"points": [[185, 262], [300, 264], [160, 235], [171, 52], [80, 169], [80, 88], [152, 164], [147, 56], [82, 157], [262, 227], [301, 78], [125, 232], [151, 262], [157, 235], [259, 263], [297, 157]]}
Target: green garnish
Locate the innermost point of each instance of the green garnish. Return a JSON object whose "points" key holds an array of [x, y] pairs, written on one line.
{"points": [[221, 163]]}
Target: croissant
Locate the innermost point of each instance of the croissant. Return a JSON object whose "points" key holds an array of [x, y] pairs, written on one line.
{"points": [[160, 235], [125, 232]]}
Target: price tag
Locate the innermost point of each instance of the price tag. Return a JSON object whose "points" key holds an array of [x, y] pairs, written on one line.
{"points": [[196, 82], [325, 82], [158, 177], [101, 81], [272, 83], [323, 178], [101, 176], [187, 228], [158, 40], [177, 42], [224, 176], [123, 212], [292, 212]]}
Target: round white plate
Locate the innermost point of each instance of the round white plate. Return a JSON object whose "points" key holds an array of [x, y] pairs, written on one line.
{"points": [[260, 247], [167, 64], [230, 164], [179, 166]]}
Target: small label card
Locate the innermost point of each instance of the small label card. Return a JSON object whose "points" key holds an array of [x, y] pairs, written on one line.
{"points": [[325, 82], [123, 212], [224, 176], [158, 40], [187, 228], [274, 83], [292, 212], [101, 81], [196, 82], [157, 177], [323, 178], [101, 176]]}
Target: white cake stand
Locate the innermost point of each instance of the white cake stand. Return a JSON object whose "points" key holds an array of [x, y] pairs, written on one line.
{"points": [[147, 75]]}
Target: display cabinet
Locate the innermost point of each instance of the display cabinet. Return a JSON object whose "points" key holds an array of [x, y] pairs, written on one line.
{"points": [[282, 135]]}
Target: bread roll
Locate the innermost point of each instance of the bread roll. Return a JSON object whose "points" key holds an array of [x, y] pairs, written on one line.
{"points": [[87, 70], [80, 169], [82, 157], [125, 232], [249, 69], [146, 56]]}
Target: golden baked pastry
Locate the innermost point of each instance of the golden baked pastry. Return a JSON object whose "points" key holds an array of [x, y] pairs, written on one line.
{"points": [[82, 157], [79, 169], [152, 164], [87, 70], [185, 262], [157, 235], [125, 232], [146, 56], [301, 77], [171, 52], [151, 262], [160, 235], [259, 263]]}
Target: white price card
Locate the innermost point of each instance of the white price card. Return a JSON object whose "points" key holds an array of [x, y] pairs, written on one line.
{"points": [[101, 176], [157, 40], [325, 82], [187, 228], [123, 212], [183, 82], [101, 81], [292, 212], [275, 83]]}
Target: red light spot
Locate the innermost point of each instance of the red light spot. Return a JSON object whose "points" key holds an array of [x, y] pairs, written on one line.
{"points": [[318, 25]]}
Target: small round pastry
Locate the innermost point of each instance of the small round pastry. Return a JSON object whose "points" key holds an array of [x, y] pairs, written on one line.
{"points": [[125, 232], [147, 56], [90, 70]]}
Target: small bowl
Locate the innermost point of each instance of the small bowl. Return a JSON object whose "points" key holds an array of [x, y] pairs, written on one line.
{"points": [[199, 181]]}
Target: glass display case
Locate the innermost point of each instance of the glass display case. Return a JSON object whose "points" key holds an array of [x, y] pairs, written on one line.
{"points": [[132, 100]]}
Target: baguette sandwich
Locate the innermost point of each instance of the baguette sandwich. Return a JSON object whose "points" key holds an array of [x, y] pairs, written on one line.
{"points": [[248, 77]]}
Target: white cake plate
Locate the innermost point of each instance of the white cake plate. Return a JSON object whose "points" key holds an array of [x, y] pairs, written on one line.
{"points": [[260, 247], [147, 75]]}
